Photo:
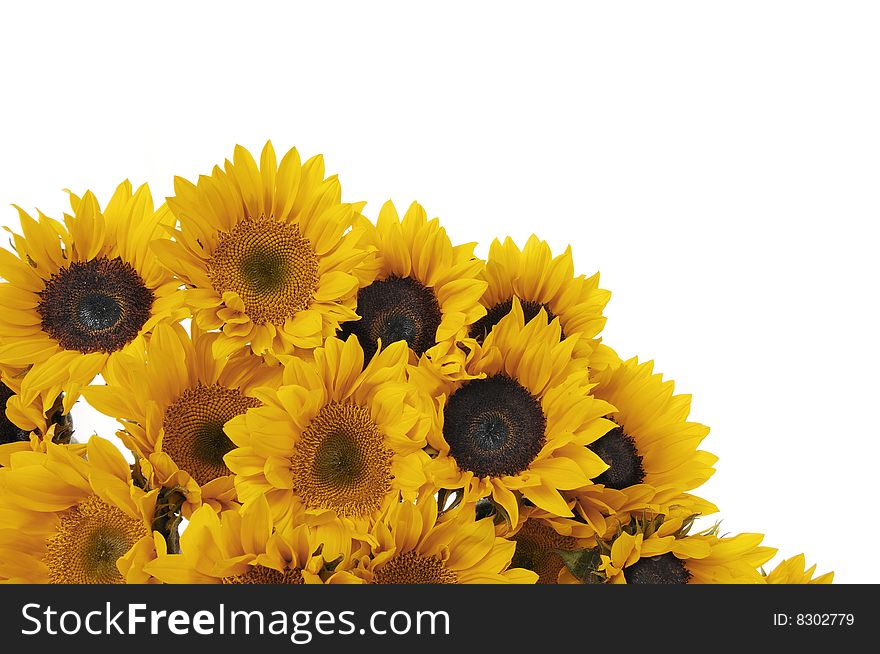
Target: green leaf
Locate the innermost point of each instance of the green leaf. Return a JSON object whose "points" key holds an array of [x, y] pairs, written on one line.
{"points": [[583, 564]]}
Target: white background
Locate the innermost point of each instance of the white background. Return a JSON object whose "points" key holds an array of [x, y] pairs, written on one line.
{"points": [[718, 162]]}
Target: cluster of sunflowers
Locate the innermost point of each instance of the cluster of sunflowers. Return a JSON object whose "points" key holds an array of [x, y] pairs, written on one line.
{"points": [[311, 397]]}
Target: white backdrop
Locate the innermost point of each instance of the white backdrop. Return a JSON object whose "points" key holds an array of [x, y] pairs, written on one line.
{"points": [[718, 162]]}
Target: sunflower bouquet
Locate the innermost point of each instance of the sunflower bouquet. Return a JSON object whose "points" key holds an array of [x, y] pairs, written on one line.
{"points": [[309, 396]]}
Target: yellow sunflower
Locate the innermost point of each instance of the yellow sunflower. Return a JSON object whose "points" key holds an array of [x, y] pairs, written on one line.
{"points": [[521, 429], [659, 551], [427, 290], [540, 280], [68, 519], [337, 440], [413, 546], [79, 294], [240, 546], [795, 571], [264, 252], [172, 400], [652, 451]]}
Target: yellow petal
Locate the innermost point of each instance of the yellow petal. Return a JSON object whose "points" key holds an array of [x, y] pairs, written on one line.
{"points": [[548, 499]]}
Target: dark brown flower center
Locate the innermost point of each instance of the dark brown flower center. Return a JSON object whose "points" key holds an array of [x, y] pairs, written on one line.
{"points": [[663, 569], [95, 306], [618, 450], [480, 329], [494, 426], [9, 431], [395, 309]]}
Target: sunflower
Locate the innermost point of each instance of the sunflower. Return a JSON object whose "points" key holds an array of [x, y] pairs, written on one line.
{"points": [[651, 451], [79, 294], [795, 571], [522, 427], [336, 441], [541, 281], [426, 292], [67, 519], [240, 546], [660, 551], [414, 546], [172, 400], [24, 429], [264, 252]]}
